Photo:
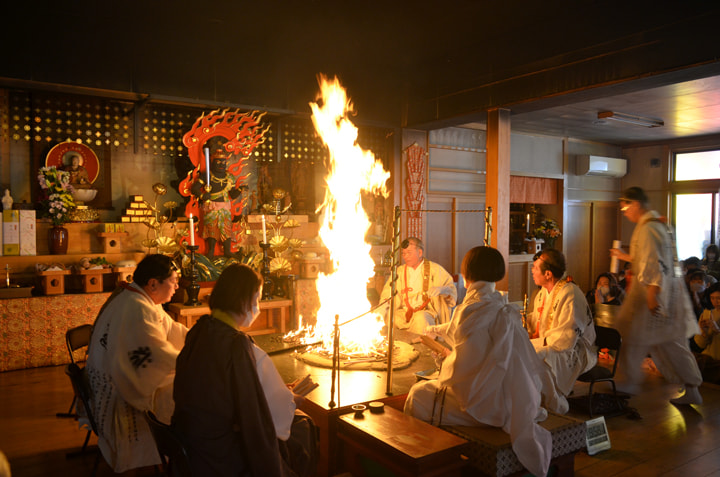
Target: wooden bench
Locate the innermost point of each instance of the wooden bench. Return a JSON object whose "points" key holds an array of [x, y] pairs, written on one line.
{"points": [[490, 450], [399, 443]]}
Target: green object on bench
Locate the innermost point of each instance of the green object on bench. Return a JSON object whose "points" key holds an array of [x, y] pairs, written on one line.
{"points": [[490, 449]]}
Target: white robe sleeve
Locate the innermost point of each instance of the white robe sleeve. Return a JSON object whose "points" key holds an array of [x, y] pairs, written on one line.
{"points": [[278, 395]]}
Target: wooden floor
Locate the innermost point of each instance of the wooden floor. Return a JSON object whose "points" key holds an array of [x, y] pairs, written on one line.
{"points": [[666, 441]]}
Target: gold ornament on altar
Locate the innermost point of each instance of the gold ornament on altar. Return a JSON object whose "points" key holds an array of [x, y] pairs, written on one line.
{"points": [[278, 206], [285, 250], [155, 223]]}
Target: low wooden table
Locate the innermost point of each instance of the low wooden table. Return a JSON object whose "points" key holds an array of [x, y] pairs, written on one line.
{"points": [[400, 443], [273, 317]]}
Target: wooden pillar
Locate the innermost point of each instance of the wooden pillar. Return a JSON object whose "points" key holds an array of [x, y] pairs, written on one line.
{"points": [[497, 185]]}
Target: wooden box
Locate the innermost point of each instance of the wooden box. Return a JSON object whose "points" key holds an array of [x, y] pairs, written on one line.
{"points": [[92, 279], [123, 274], [112, 241], [311, 267], [52, 282]]}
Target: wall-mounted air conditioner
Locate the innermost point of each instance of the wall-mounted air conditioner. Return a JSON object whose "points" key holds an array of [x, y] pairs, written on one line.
{"points": [[588, 165]]}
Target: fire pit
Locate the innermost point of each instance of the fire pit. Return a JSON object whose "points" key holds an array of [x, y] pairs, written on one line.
{"points": [[404, 354]]}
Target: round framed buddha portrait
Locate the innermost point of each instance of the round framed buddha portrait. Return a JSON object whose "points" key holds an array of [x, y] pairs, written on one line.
{"points": [[77, 159]]}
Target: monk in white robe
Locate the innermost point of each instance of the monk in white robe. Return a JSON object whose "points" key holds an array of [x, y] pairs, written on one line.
{"points": [[131, 364], [656, 317], [563, 333], [491, 375], [425, 290]]}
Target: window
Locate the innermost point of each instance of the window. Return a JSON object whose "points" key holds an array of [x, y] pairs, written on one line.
{"points": [[696, 201], [702, 165], [694, 223]]}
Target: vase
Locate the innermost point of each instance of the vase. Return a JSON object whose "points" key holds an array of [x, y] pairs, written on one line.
{"points": [[549, 243], [57, 240]]}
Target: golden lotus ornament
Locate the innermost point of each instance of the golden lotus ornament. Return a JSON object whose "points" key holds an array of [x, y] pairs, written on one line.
{"points": [[159, 188], [296, 243], [279, 264], [279, 243]]}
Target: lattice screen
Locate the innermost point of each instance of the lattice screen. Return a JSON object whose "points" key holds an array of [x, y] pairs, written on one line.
{"points": [[301, 144], [4, 119], [163, 128], [51, 118]]}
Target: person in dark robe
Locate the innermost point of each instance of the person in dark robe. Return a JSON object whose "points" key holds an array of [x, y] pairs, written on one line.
{"points": [[236, 415]]}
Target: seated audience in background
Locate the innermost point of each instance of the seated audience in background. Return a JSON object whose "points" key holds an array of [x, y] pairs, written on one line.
{"points": [[425, 290], [694, 263], [233, 409], [711, 262], [491, 375], [562, 330], [695, 281], [131, 363], [625, 276], [708, 342], [606, 291]]}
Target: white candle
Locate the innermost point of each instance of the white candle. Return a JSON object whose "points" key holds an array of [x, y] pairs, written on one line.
{"points": [[527, 223], [207, 165], [264, 229], [192, 231]]}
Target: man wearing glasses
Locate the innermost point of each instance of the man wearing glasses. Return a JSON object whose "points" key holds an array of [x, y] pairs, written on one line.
{"points": [[131, 363], [425, 290], [561, 330]]}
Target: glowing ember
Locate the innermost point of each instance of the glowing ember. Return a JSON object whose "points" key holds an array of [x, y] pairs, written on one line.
{"points": [[344, 225]]}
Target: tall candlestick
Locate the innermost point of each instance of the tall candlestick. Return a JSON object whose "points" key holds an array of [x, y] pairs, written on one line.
{"points": [[264, 229], [192, 231], [207, 165]]}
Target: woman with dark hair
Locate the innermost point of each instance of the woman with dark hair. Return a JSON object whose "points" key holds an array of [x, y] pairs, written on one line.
{"points": [[491, 376], [711, 261], [606, 291], [707, 341], [237, 415]]}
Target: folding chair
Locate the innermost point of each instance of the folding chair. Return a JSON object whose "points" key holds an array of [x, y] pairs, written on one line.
{"points": [[173, 454], [82, 389], [75, 338], [610, 339]]}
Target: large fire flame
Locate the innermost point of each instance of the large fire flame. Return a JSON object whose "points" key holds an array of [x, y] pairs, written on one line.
{"points": [[344, 225]]}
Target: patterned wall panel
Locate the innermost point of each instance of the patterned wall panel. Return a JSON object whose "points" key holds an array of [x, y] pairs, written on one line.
{"points": [[48, 118]]}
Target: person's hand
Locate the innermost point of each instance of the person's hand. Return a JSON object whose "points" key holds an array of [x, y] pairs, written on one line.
{"points": [[437, 291], [598, 296], [620, 253], [299, 400]]}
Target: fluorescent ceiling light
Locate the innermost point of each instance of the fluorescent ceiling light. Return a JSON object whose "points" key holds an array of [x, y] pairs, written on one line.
{"points": [[631, 119]]}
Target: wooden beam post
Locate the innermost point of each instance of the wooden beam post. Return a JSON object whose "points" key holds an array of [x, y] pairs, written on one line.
{"points": [[497, 185]]}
